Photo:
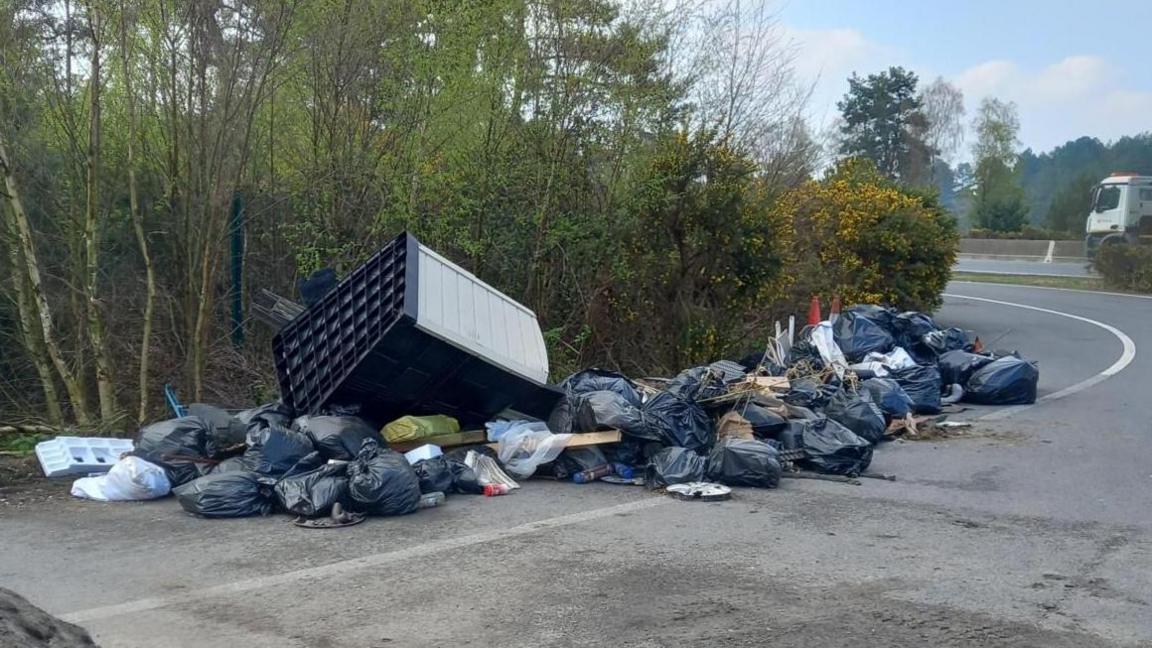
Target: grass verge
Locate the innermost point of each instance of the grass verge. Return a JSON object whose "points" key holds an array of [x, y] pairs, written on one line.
{"points": [[1077, 283]]}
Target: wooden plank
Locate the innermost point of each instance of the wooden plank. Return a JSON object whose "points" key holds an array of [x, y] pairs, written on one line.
{"points": [[585, 439]]}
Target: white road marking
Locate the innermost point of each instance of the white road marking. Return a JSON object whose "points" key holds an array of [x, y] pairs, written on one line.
{"points": [[1125, 359], [1051, 249], [357, 564]]}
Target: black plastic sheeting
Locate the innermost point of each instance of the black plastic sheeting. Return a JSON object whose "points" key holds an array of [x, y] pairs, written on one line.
{"points": [[679, 422], [183, 447], [1006, 381], [830, 447], [227, 495], [956, 367], [858, 335], [674, 466], [313, 493], [337, 437], [381, 482], [889, 396], [858, 413], [922, 385], [744, 462]]}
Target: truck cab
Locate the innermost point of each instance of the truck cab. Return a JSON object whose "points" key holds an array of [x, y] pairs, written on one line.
{"points": [[1121, 212]]}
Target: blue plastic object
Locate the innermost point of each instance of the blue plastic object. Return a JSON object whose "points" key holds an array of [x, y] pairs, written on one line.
{"points": [[178, 410]]}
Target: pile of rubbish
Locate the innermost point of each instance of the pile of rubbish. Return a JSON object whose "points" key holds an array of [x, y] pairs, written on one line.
{"points": [[424, 403]]}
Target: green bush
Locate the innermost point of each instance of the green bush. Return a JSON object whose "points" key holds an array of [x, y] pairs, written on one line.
{"points": [[1127, 267], [858, 235], [1026, 233]]}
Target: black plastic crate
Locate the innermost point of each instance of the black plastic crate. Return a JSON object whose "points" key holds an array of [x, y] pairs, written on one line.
{"points": [[359, 345]]}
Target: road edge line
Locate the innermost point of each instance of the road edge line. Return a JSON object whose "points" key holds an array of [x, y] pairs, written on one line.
{"points": [[355, 564], [1127, 355]]}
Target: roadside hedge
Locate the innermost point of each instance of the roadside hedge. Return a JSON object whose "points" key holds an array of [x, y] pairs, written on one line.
{"points": [[1127, 267], [860, 236]]}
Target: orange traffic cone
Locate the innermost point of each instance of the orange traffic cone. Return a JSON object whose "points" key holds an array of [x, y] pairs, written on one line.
{"points": [[977, 346], [834, 309], [814, 311]]}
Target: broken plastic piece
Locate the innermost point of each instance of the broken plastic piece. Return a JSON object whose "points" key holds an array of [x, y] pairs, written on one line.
{"points": [[702, 491]]}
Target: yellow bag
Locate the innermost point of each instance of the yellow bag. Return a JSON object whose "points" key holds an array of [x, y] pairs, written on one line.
{"points": [[413, 428]]}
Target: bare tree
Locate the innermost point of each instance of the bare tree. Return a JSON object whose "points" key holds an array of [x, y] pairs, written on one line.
{"points": [[105, 386], [126, 57], [35, 287], [943, 107]]}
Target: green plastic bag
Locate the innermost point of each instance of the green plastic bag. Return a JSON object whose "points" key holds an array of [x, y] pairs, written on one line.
{"points": [[414, 428]]}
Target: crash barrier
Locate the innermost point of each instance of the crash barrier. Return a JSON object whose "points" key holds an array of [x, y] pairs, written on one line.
{"points": [[1023, 249]]}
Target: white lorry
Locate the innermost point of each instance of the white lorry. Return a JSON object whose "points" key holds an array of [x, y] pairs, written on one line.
{"points": [[1121, 212]]}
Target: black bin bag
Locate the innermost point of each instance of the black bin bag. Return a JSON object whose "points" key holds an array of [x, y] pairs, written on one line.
{"points": [[889, 396], [1007, 381], [857, 335], [445, 475], [858, 413], [674, 466], [313, 493], [381, 482], [744, 462], [182, 447], [679, 422], [829, 447], [950, 339], [606, 409], [956, 367], [922, 384], [275, 451], [592, 380], [766, 424], [337, 437], [227, 495]]}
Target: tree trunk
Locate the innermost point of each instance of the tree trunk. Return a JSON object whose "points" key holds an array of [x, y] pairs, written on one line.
{"points": [[105, 387], [30, 332], [138, 224], [36, 287]]}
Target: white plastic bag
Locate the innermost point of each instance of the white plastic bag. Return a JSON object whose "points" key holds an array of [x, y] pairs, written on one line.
{"points": [[527, 444], [897, 358], [830, 352], [130, 478]]}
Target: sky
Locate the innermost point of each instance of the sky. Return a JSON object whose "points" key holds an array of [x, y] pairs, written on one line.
{"points": [[1073, 68]]}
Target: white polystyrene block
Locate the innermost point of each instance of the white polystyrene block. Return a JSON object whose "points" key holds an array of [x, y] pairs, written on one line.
{"points": [[67, 455], [426, 451]]}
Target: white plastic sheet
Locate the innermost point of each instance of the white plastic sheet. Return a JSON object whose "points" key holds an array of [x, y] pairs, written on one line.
{"points": [[527, 444], [130, 479], [881, 363], [830, 352]]}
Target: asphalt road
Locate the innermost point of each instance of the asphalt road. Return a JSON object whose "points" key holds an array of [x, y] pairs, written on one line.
{"points": [[1035, 529], [1037, 267]]}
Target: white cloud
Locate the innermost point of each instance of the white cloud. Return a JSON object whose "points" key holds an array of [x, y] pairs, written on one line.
{"points": [[1078, 95], [826, 58], [1075, 96]]}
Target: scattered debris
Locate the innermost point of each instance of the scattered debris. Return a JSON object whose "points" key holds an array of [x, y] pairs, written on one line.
{"points": [[384, 396], [700, 491]]}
